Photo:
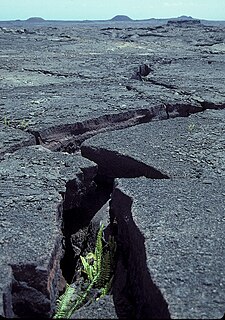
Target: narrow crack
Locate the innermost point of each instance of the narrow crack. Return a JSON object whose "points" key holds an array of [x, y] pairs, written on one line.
{"points": [[69, 137], [165, 85], [210, 105], [57, 74]]}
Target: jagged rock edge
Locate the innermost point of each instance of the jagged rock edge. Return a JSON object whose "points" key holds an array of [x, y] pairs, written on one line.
{"points": [[148, 301]]}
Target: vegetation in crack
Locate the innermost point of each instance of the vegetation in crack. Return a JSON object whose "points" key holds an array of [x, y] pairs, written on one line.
{"points": [[76, 224], [17, 124], [96, 276]]}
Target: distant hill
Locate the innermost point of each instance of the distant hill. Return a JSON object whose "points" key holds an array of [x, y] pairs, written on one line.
{"points": [[35, 19], [183, 21], [121, 18], [181, 18]]}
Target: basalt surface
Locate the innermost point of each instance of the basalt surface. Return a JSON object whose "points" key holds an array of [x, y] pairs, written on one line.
{"points": [[178, 148], [176, 230], [36, 184], [64, 83], [174, 220]]}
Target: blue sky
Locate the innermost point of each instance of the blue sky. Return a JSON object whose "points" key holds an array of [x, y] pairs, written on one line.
{"points": [[106, 9]]}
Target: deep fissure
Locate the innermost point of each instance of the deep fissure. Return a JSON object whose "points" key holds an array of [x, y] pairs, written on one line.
{"points": [[76, 223], [68, 138], [131, 305], [77, 240], [77, 220]]}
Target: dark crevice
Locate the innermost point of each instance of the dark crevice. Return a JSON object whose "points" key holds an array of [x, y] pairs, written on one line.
{"points": [[165, 85], [76, 222], [181, 110], [56, 74], [116, 165], [134, 293], [36, 135], [70, 136], [210, 105]]}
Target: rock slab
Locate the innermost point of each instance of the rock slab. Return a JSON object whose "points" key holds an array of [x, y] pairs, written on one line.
{"points": [[180, 227], [179, 148], [170, 228], [34, 182]]}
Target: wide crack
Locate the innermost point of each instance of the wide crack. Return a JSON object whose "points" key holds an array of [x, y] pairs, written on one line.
{"points": [[76, 224], [130, 297], [134, 293]]}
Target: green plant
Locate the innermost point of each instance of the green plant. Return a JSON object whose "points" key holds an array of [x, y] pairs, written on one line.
{"points": [[64, 301], [92, 263], [6, 121], [98, 269], [191, 127], [23, 124], [66, 305], [98, 265]]}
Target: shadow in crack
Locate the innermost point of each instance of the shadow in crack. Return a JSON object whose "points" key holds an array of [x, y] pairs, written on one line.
{"points": [[134, 293]]}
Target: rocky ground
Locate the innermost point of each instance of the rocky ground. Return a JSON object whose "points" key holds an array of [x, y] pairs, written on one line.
{"points": [[76, 106]]}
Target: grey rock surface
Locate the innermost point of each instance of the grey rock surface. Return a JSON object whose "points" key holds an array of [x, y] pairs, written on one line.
{"points": [[174, 226], [182, 230], [63, 83], [101, 309], [33, 183], [81, 72], [12, 139], [192, 147]]}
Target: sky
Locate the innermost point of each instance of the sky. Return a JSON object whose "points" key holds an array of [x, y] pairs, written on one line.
{"points": [[106, 9]]}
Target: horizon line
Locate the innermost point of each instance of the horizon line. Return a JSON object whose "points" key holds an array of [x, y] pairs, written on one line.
{"points": [[110, 19]]}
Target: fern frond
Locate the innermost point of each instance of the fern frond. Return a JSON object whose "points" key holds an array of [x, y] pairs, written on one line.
{"points": [[99, 249], [88, 268], [106, 289], [104, 275], [64, 303], [81, 299]]}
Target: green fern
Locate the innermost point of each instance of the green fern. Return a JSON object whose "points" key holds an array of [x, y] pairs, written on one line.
{"points": [[81, 300], [106, 289], [99, 250], [64, 303], [98, 268], [105, 271], [92, 263], [89, 269]]}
